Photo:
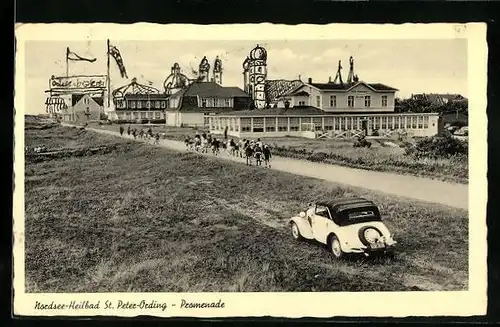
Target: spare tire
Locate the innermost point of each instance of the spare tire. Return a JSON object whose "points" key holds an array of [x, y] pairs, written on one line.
{"points": [[361, 234]]}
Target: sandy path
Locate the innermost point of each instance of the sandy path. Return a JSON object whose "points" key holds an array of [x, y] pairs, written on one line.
{"points": [[424, 189]]}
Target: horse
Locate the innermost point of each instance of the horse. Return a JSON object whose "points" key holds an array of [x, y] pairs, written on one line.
{"points": [[215, 147]]}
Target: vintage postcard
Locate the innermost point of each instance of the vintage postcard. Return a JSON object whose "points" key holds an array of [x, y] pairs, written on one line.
{"points": [[250, 170]]}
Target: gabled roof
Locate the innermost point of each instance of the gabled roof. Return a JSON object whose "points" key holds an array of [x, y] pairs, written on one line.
{"points": [[99, 100], [277, 88], [75, 98], [299, 93], [212, 89], [377, 87]]}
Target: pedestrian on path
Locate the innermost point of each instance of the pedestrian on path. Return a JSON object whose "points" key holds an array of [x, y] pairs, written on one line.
{"points": [[128, 130], [267, 156], [249, 155], [121, 130]]}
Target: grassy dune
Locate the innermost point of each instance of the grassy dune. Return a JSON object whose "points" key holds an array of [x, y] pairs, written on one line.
{"points": [[149, 219]]}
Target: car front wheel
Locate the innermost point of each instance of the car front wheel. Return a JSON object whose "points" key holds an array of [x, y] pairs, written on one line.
{"points": [[296, 232], [335, 247]]}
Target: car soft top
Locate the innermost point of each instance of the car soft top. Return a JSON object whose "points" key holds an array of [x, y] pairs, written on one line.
{"points": [[338, 205]]}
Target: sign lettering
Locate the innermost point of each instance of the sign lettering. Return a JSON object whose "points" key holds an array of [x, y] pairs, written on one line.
{"points": [[78, 82]]}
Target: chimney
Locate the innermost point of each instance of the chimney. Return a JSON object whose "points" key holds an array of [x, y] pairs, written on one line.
{"points": [[309, 80]]}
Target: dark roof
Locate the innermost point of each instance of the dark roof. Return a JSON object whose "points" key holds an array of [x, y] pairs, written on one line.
{"points": [[297, 111], [75, 98], [303, 111], [146, 96], [346, 86], [99, 100], [342, 204], [277, 88], [330, 86], [212, 89]]}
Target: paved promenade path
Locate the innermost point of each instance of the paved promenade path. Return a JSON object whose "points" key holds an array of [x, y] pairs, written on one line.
{"points": [[424, 189]]}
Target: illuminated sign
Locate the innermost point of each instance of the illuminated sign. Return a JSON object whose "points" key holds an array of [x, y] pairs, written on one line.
{"points": [[78, 82]]}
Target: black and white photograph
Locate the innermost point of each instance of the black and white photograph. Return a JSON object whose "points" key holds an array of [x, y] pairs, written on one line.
{"points": [[250, 170]]}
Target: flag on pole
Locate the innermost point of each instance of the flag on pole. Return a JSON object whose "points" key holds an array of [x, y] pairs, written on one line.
{"points": [[115, 53], [74, 57]]}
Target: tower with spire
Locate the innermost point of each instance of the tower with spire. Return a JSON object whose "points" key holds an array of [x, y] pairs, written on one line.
{"points": [[217, 71], [204, 70]]}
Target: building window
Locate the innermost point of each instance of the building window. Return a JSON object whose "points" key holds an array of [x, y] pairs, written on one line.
{"points": [[132, 104], [376, 123], [414, 122], [408, 122], [157, 104], [302, 103], [333, 101], [282, 124], [143, 114], [294, 124], [258, 125], [348, 123], [328, 122], [270, 124], [216, 102], [228, 103], [384, 122], [367, 101], [384, 100], [342, 123], [148, 104], [420, 122], [163, 104], [318, 123], [426, 122], [139, 104], [245, 124], [397, 122], [336, 121], [350, 101], [203, 103], [318, 101]]}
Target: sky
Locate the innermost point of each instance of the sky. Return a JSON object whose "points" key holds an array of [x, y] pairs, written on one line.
{"points": [[412, 66]]}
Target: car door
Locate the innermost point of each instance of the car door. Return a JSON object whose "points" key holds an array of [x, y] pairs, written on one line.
{"points": [[320, 221]]}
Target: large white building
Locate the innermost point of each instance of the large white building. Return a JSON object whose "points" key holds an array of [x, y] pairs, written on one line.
{"points": [[335, 108]]}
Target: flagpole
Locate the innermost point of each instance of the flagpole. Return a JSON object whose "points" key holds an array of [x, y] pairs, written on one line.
{"points": [[67, 62], [109, 79]]}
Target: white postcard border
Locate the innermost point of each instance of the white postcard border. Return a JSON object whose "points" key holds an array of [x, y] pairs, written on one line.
{"points": [[292, 305]]}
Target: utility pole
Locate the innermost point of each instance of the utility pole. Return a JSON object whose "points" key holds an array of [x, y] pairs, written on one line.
{"points": [[109, 77]]}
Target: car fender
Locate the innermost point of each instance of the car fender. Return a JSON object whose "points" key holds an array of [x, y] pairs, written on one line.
{"points": [[344, 237], [304, 227]]}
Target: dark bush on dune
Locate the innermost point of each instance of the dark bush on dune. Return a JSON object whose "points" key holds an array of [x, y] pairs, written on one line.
{"points": [[441, 146]]}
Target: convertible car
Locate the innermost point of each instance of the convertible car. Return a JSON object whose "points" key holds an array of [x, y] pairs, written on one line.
{"points": [[349, 225]]}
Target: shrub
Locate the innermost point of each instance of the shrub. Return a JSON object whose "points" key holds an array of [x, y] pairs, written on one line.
{"points": [[318, 157], [441, 146]]}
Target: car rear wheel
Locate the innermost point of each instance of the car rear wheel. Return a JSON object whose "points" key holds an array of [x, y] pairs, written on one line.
{"points": [[296, 232], [335, 247]]}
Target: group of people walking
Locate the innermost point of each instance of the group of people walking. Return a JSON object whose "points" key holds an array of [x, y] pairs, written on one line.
{"points": [[249, 149], [142, 134]]}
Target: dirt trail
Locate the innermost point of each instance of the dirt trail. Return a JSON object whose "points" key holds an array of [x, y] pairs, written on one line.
{"points": [[424, 189]]}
